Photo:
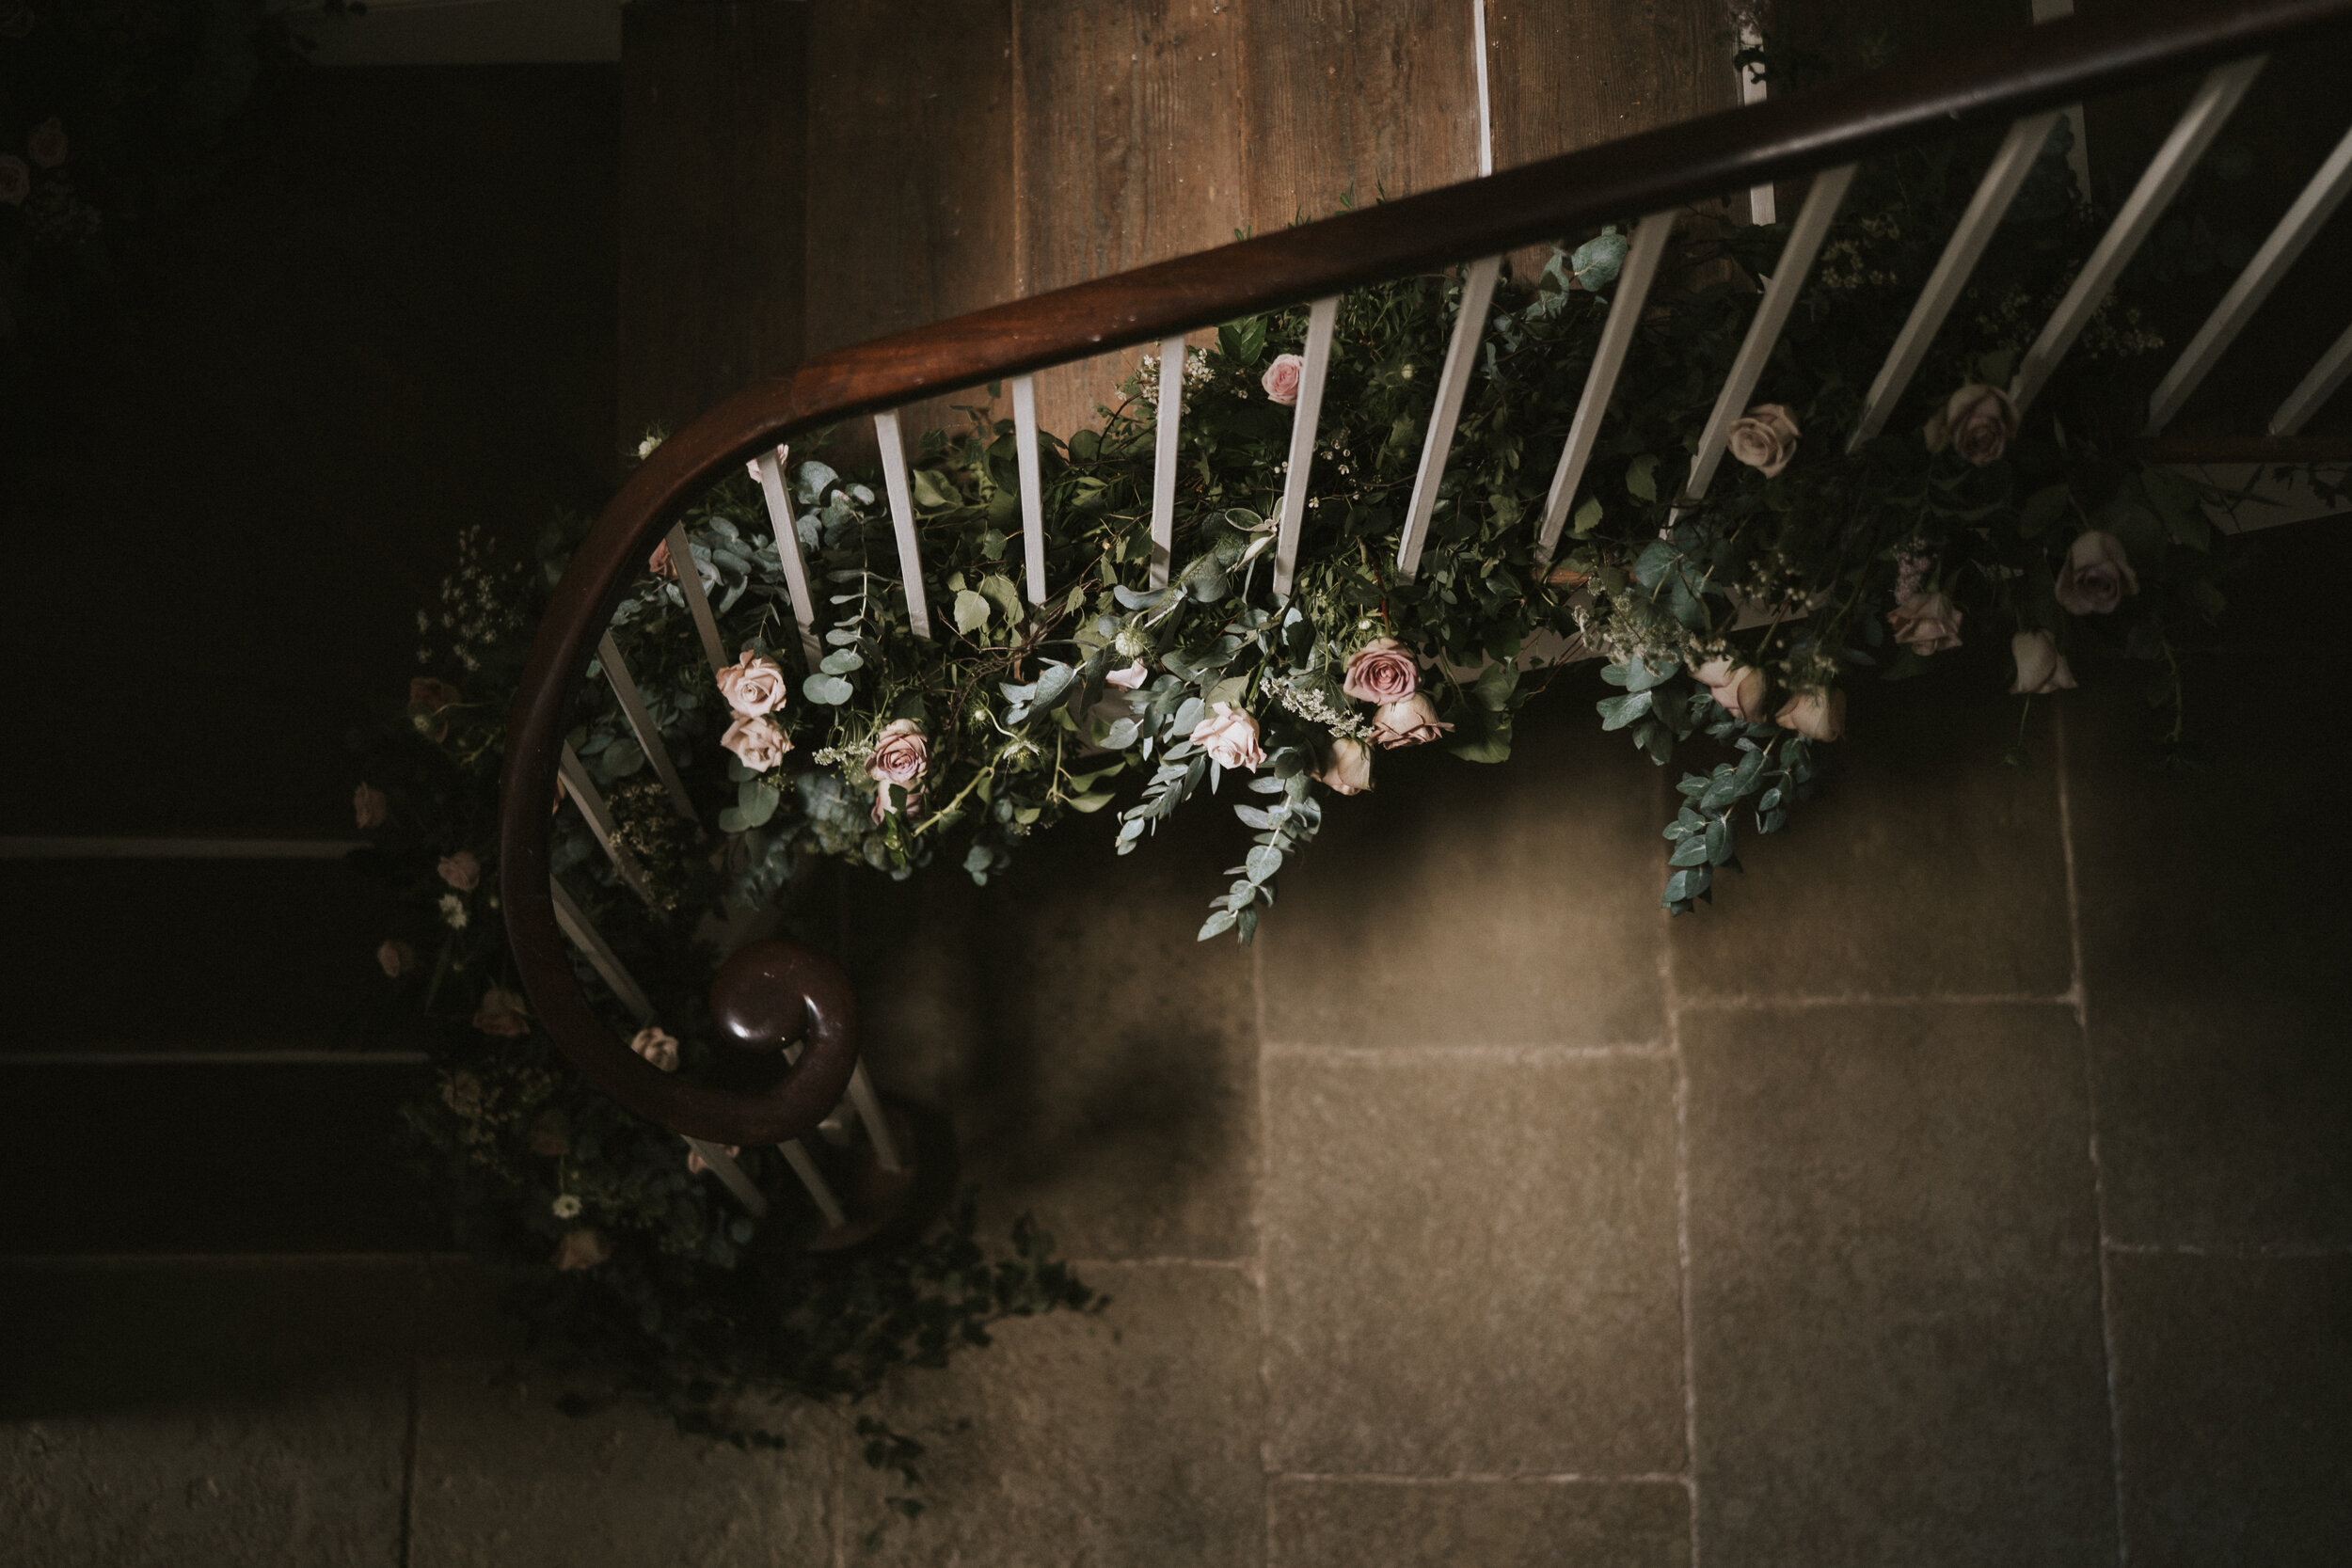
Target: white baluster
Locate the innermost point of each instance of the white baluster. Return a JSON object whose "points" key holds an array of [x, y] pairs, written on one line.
{"points": [[1163, 422], [640, 723], [1763, 207], [2312, 208], [1780, 295], [2216, 96], [598, 817], [1461, 358], [2002, 181], [2079, 155], [869, 1111], [894, 459], [2314, 390], [584, 936], [1321, 317], [1642, 257], [1032, 483], [768, 469], [689, 587], [1486, 109]]}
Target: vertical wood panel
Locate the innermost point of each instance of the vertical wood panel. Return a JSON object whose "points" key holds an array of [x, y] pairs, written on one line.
{"points": [[713, 145], [1362, 97], [910, 194], [1130, 150]]}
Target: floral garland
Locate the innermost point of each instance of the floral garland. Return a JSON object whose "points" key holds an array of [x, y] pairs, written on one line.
{"points": [[1738, 619]]}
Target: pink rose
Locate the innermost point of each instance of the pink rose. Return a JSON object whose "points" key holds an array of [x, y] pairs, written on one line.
{"points": [[582, 1249], [397, 957], [658, 1046], [1815, 714], [46, 143], [753, 685], [659, 563], [1977, 421], [2040, 667], [1411, 723], [1281, 378], [1766, 439], [1349, 771], [756, 742], [370, 806], [16, 181], [504, 1013], [2097, 576], [1738, 689], [461, 871], [696, 1164], [1926, 624], [1230, 736], [901, 754], [1382, 671], [1129, 679]]}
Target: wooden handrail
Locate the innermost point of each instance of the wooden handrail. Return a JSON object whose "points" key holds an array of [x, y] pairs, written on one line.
{"points": [[2032, 69]]}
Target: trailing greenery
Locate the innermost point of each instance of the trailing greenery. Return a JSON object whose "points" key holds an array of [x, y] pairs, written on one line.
{"points": [[1804, 568], [634, 1273]]}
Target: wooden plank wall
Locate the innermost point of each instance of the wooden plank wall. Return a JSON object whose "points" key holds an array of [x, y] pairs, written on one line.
{"points": [[960, 153]]}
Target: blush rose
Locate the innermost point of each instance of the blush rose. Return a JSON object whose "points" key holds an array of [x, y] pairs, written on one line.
{"points": [[658, 1046], [1413, 722], [2040, 667], [1230, 736], [1738, 689], [1349, 771], [2097, 576], [753, 685], [1815, 714], [1976, 422], [1765, 439], [461, 871], [756, 742], [582, 1249], [1926, 623], [1382, 671], [503, 1012], [1282, 379]]}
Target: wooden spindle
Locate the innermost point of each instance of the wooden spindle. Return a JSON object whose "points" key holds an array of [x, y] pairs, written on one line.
{"points": [[1461, 359], [894, 459], [640, 723], [1995, 192], [768, 469], [1322, 318], [1165, 420], [2216, 97], [598, 816], [689, 587], [1032, 483], [1649, 247], [2324, 380]]}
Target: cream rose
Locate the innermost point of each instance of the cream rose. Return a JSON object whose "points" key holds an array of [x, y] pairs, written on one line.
{"points": [[582, 1249], [1129, 679], [1766, 439], [902, 753], [1349, 771], [1282, 379], [2040, 667], [1926, 623], [1977, 421], [1738, 689], [658, 1046], [461, 871], [1382, 671], [1230, 736], [1413, 722], [753, 685], [1815, 714], [397, 958], [46, 144], [756, 742], [370, 806], [2097, 576], [503, 1012]]}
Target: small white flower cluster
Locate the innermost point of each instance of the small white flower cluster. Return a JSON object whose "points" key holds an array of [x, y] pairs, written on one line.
{"points": [[1148, 375], [472, 610], [1313, 706]]}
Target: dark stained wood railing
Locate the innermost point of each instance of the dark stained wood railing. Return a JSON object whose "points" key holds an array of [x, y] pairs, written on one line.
{"points": [[2007, 77]]}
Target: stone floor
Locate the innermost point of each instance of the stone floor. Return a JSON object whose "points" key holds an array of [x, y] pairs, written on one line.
{"points": [[1971, 1184]]}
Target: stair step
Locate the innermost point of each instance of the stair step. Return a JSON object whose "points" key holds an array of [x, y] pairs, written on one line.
{"points": [[204, 1158], [191, 954]]}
